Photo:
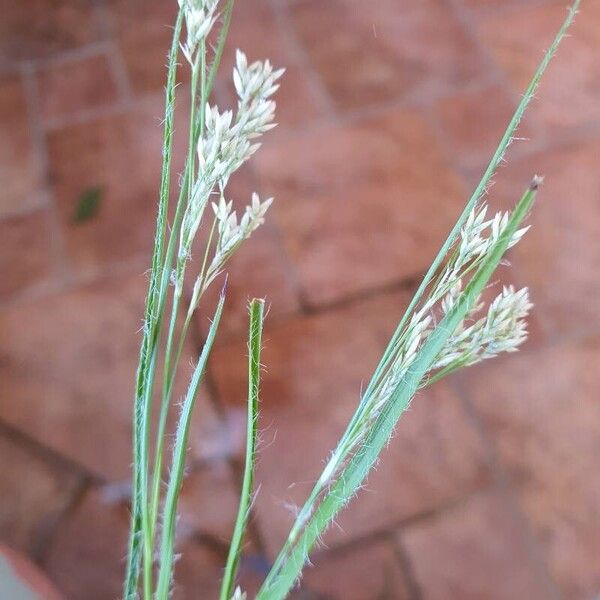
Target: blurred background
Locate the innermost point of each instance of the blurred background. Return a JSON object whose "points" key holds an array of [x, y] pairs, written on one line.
{"points": [[388, 112]]}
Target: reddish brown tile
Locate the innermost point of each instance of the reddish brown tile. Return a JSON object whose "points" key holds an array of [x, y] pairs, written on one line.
{"points": [[310, 389], [257, 270], [198, 573], [86, 558], [143, 30], [541, 410], [360, 206], [297, 106], [476, 550], [34, 29], [68, 362], [560, 253], [473, 123], [367, 571], [69, 87], [355, 67], [568, 94], [255, 30], [34, 493], [208, 502], [27, 256], [121, 155], [296, 102], [19, 177], [431, 40], [372, 54]]}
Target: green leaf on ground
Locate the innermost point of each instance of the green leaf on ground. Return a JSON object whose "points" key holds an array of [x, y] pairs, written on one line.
{"points": [[88, 205]]}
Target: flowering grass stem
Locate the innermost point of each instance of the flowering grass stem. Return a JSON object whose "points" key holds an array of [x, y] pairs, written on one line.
{"points": [[288, 566], [151, 330], [338, 481], [218, 144]]}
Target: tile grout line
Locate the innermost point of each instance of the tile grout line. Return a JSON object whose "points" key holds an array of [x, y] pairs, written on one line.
{"points": [[419, 102], [301, 58], [46, 452], [398, 525], [406, 284], [133, 266], [71, 55], [46, 539], [114, 55], [407, 567]]}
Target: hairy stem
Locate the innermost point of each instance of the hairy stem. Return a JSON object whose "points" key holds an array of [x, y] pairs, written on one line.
{"points": [[254, 349], [151, 328]]}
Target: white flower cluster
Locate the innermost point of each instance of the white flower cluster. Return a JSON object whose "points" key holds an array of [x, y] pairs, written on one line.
{"points": [[227, 140], [502, 329], [254, 85], [238, 594], [231, 233], [474, 243], [200, 16], [227, 144]]}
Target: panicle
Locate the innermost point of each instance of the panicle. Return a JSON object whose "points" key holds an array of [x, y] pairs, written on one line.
{"points": [[200, 16], [238, 594], [227, 142], [502, 329]]}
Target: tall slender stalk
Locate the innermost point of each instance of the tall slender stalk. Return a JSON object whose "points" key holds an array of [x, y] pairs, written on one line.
{"points": [[168, 375], [254, 349], [481, 188], [151, 326]]}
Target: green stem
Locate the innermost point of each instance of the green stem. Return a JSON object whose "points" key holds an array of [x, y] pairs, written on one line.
{"points": [[162, 423], [152, 322], [150, 511], [168, 373], [254, 347], [178, 463]]}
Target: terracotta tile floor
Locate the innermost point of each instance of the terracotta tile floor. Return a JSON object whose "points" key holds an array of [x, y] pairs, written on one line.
{"points": [[388, 113]]}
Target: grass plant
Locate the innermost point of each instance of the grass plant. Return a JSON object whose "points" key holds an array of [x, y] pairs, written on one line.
{"points": [[446, 326]]}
